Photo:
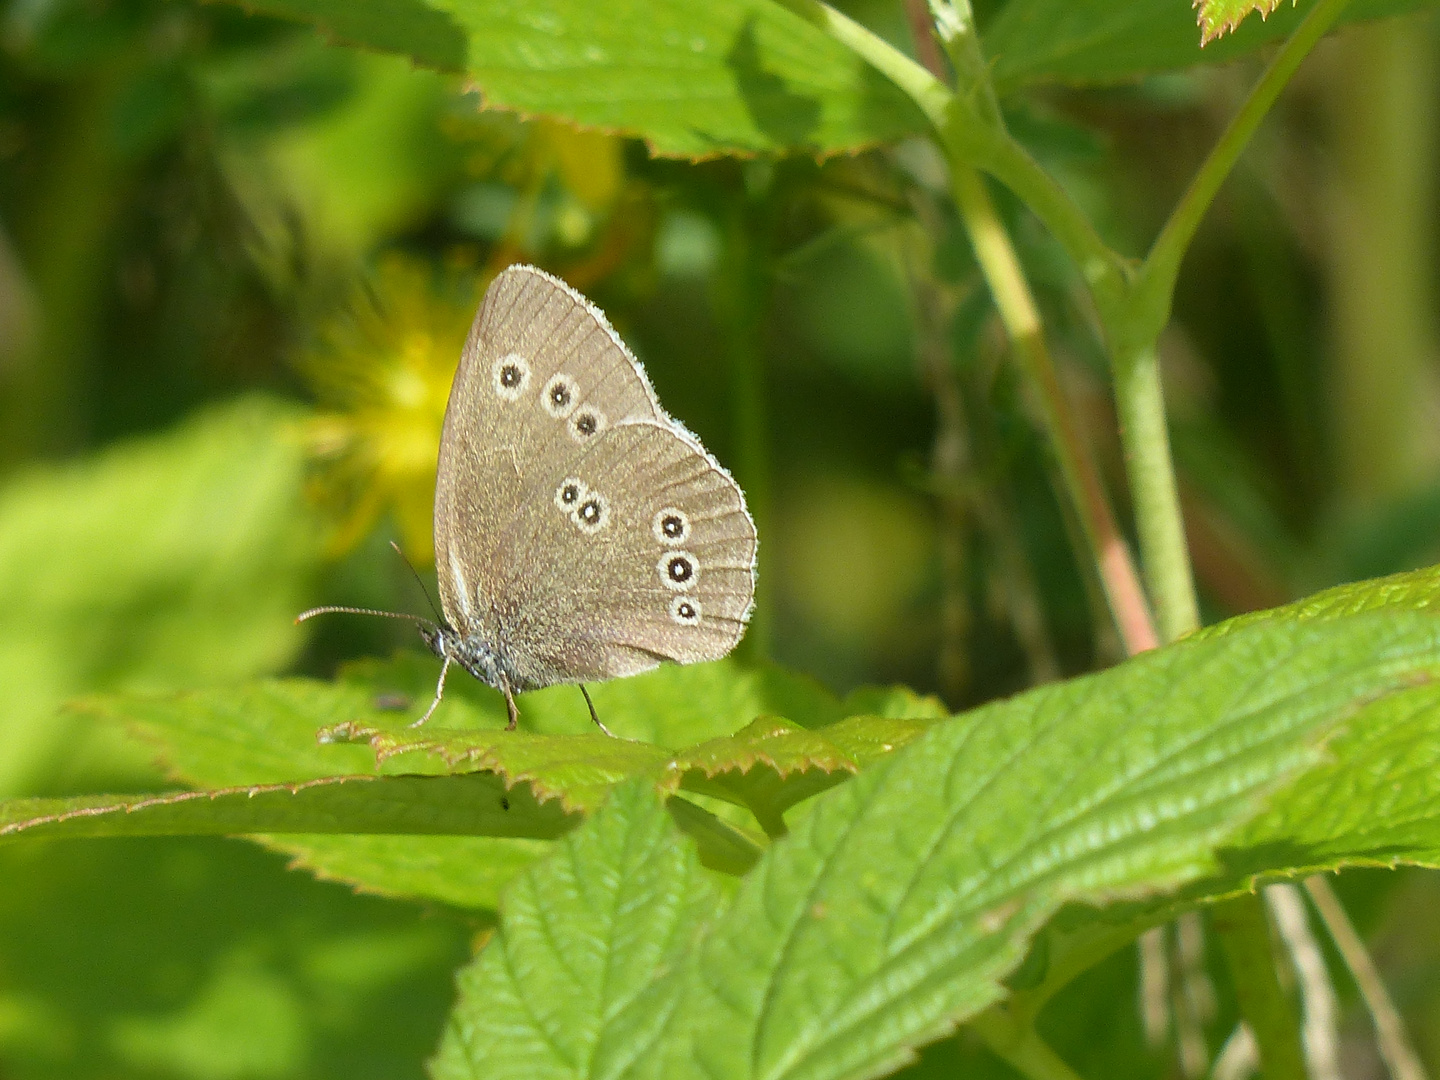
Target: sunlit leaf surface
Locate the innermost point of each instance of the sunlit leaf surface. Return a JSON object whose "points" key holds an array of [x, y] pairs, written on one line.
{"points": [[903, 897]]}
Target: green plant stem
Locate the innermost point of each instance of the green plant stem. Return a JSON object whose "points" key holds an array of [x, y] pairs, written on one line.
{"points": [[1149, 309], [1382, 108], [971, 131], [928, 92], [967, 122], [1133, 312], [1134, 326], [1145, 437], [1105, 272], [1001, 269], [1242, 925], [1013, 1039]]}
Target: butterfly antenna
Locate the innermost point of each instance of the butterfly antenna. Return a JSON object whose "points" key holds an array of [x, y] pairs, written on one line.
{"points": [[361, 611], [421, 582]]}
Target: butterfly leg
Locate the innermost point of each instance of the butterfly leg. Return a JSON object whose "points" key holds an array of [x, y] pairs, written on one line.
{"points": [[593, 715], [510, 708], [439, 692]]}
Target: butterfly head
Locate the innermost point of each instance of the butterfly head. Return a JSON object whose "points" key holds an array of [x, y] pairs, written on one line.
{"points": [[443, 641], [474, 655]]}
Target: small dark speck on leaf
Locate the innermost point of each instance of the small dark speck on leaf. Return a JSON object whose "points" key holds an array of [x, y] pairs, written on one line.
{"points": [[504, 802]]}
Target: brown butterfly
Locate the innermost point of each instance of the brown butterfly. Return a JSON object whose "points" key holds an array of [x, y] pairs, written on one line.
{"points": [[581, 534]]}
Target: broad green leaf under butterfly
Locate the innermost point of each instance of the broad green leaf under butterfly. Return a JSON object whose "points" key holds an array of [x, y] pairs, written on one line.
{"points": [[468, 804], [265, 734], [901, 899], [576, 770], [770, 765], [767, 767]]}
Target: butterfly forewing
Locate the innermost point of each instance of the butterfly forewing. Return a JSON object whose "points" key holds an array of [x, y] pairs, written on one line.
{"points": [[542, 376]]}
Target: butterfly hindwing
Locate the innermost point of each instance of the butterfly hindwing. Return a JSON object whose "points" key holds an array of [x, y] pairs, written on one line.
{"points": [[652, 559]]}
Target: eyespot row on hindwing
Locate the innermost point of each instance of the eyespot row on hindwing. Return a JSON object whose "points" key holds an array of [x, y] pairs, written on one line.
{"points": [[589, 511], [678, 569]]}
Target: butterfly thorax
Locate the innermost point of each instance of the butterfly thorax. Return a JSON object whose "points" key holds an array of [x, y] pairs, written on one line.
{"points": [[474, 655]]}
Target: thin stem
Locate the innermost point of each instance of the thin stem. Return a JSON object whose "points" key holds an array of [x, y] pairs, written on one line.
{"points": [[970, 125], [922, 32], [1014, 1040], [1162, 266], [1395, 1046], [971, 135], [933, 96], [1134, 325], [1195, 994], [1244, 933], [1145, 438], [1106, 273], [1154, 985], [1001, 269]]}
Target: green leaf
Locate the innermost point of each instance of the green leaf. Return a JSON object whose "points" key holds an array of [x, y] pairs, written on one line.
{"points": [[559, 990], [462, 871], [1037, 41], [409, 27], [364, 171], [265, 733], [1220, 17], [693, 80], [470, 804], [770, 765], [900, 901], [578, 770], [893, 702], [1374, 800], [672, 706], [164, 562], [203, 959], [1413, 590]]}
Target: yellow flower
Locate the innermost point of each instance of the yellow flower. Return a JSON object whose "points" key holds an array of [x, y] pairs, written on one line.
{"points": [[382, 371]]}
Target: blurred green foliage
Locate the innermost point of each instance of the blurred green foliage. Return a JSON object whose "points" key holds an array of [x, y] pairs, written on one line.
{"points": [[216, 225]]}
